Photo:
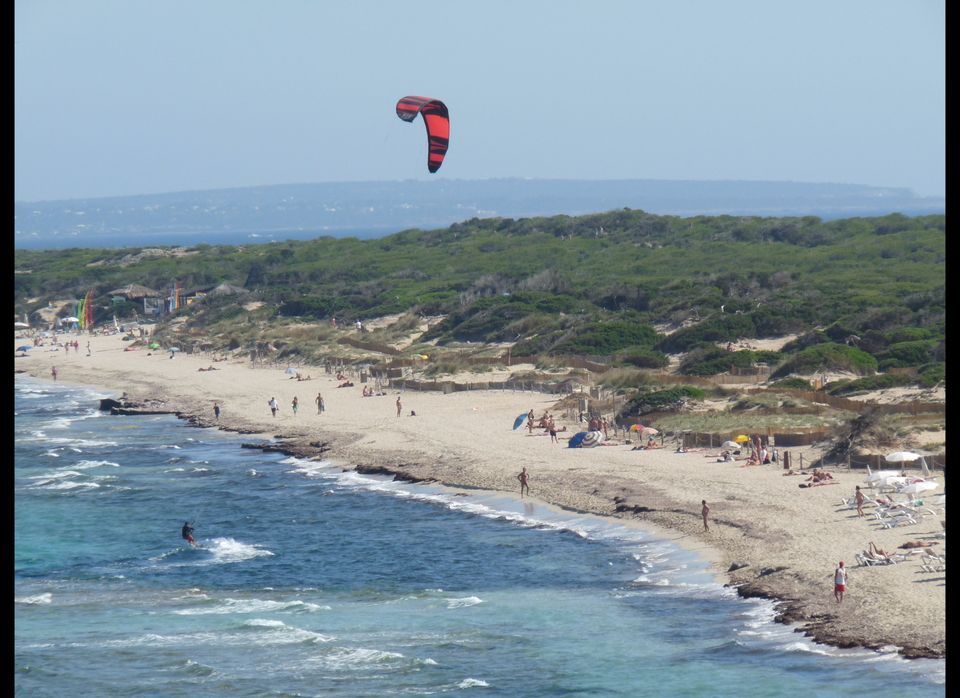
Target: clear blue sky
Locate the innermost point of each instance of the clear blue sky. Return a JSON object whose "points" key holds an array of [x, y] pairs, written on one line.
{"points": [[116, 97]]}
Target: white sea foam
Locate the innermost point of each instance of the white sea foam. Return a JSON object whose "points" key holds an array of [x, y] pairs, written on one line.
{"points": [[228, 606], [87, 464], [473, 683], [228, 550], [37, 599], [357, 657], [278, 632], [464, 602], [89, 443]]}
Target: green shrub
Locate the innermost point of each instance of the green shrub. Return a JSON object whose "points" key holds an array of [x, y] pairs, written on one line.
{"points": [[906, 354], [601, 338], [729, 328], [878, 382], [792, 384], [828, 357], [931, 374], [665, 400], [644, 358]]}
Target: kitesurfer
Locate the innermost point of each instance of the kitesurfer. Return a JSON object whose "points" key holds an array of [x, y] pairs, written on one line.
{"points": [[187, 533]]}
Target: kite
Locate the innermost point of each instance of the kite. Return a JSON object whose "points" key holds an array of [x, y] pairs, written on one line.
{"points": [[437, 121]]}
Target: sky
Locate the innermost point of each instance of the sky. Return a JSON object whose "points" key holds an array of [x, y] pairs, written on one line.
{"points": [[124, 97]]}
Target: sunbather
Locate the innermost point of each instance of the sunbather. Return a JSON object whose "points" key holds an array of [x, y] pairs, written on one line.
{"points": [[918, 544]]}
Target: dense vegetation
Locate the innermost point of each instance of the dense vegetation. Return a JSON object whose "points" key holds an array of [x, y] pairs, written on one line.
{"points": [[863, 294]]}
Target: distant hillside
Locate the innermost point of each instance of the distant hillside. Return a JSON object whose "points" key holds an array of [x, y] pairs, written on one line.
{"points": [[375, 209]]}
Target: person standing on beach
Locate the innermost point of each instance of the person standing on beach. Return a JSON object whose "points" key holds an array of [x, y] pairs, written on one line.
{"points": [[216, 410], [524, 478], [295, 404], [53, 372], [274, 406], [704, 512], [859, 499], [399, 407], [319, 401], [839, 582]]}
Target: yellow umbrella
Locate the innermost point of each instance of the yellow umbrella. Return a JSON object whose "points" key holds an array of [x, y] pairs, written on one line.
{"points": [[742, 439], [637, 427]]}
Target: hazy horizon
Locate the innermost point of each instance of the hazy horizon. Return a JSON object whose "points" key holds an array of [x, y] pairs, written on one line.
{"points": [[125, 98]]}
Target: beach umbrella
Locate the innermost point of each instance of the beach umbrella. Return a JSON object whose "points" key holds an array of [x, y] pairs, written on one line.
{"points": [[24, 348], [173, 349], [575, 440], [20, 324], [153, 345], [742, 439], [519, 420], [291, 369], [637, 427], [70, 319], [730, 444], [648, 431], [918, 487], [902, 457], [591, 439]]}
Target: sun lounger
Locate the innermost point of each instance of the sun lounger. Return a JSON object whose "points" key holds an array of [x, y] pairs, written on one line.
{"points": [[865, 559], [933, 563]]}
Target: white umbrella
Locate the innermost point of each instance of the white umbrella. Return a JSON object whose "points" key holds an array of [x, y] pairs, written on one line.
{"points": [[648, 431], [730, 444], [902, 457], [20, 324], [918, 487]]}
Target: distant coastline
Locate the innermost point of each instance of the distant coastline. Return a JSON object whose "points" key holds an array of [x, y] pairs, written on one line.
{"points": [[258, 215]]}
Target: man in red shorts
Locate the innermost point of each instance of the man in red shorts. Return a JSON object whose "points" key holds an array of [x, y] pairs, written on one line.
{"points": [[839, 582]]}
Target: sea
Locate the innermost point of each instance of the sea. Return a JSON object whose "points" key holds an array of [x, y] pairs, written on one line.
{"points": [[310, 579]]}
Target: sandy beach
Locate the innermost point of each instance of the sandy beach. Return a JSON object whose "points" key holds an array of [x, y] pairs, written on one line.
{"points": [[788, 539]]}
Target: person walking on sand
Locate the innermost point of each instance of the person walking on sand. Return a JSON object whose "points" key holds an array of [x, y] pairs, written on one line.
{"points": [[524, 479], [216, 410], [274, 406], [839, 582], [399, 407], [53, 372], [859, 499], [704, 512], [295, 404], [319, 401]]}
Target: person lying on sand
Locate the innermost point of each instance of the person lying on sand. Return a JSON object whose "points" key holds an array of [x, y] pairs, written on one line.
{"points": [[918, 544], [819, 476]]}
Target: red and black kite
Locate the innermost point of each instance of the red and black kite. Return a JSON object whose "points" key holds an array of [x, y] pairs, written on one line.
{"points": [[437, 121]]}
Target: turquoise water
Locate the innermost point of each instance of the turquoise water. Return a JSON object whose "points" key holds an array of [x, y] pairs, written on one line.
{"points": [[312, 581]]}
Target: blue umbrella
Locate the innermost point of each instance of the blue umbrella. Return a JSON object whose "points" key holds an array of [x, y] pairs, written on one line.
{"points": [[576, 439], [519, 420], [24, 348]]}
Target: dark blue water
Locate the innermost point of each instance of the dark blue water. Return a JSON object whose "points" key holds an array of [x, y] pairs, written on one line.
{"points": [[313, 581]]}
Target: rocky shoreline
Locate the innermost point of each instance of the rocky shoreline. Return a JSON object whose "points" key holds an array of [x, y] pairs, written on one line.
{"points": [[779, 584]]}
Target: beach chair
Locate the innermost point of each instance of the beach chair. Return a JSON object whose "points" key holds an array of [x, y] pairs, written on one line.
{"points": [[865, 559], [904, 519], [930, 562]]}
